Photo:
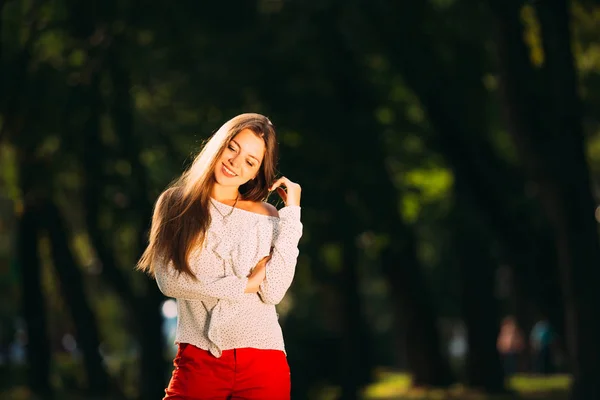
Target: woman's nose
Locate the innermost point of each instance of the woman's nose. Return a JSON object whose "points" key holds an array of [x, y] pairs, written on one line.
{"points": [[233, 160]]}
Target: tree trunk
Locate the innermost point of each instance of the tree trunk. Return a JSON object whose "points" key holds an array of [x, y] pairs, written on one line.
{"points": [[564, 186], [579, 272], [72, 288], [476, 265], [414, 313], [34, 310], [415, 316], [458, 136], [356, 352], [152, 364], [144, 309]]}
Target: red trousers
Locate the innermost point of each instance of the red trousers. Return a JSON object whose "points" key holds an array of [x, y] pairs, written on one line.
{"points": [[248, 374]]}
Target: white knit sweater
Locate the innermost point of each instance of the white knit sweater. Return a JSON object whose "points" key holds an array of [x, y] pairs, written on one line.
{"points": [[214, 313]]}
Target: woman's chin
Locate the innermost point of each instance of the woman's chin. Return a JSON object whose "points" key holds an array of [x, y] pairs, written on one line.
{"points": [[226, 181]]}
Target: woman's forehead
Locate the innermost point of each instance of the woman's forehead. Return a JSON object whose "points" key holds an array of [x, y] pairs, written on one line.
{"points": [[250, 143]]}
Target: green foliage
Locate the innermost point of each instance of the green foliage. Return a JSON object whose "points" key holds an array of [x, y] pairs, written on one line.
{"points": [[332, 256], [425, 186], [533, 36], [9, 177], [51, 48]]}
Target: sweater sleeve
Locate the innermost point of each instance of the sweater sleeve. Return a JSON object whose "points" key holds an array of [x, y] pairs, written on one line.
{"points": [[182, 286], [281, 267]]}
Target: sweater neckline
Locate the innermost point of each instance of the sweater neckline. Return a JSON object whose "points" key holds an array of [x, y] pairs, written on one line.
{"points": [[216, 202]]}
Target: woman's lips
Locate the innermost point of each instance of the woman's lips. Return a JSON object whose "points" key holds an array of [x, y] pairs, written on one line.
{"points": [[227, 172]]}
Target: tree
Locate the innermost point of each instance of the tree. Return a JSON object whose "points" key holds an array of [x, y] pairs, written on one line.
{"points": [[543, 113], [345, 109], [34, 313]]}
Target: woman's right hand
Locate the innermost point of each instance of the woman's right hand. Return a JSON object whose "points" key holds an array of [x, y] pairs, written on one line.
{"points": [[291, 194], [257, 276]]}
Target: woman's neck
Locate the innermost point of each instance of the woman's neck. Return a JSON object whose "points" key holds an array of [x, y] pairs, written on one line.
{"points": [[224, 194]]}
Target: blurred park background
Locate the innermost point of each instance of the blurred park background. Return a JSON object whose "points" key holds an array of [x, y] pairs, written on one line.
{"points": [[449, 154]]}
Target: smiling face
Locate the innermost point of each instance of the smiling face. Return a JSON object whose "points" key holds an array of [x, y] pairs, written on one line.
{"points": [[241, 159]]}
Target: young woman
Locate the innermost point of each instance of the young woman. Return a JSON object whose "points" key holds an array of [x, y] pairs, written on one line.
{"points": [[228, 258]]}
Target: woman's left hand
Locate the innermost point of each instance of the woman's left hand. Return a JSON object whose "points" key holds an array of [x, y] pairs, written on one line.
{"points": [[291, 194], [257, 276]]}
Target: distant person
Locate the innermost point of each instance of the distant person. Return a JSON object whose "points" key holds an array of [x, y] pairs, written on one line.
{"points": [[510, 344], [228, 258], [542, 339]]}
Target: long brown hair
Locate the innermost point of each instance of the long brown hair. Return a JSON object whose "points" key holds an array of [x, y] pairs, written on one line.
{"points": [[181, 213]]}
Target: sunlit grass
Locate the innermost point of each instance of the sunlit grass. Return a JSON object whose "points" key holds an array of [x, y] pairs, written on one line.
{"points": [[534, 383], [393, 385]]}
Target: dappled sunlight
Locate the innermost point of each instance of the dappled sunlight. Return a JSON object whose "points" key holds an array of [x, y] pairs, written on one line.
{"points": [[530, 383], [396, 385]]}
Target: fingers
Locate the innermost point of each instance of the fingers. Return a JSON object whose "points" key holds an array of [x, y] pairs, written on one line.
{"points": [[260, 266], [282, 193], [283, 181], [263, 261], [279, 182], [289, 191]]}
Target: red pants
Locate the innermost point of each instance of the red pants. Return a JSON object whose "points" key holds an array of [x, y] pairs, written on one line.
{"points": [[248, 374]]}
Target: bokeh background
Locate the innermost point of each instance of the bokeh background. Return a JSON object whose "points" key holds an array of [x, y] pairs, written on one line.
{"points": [[449, 154]]}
